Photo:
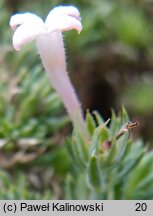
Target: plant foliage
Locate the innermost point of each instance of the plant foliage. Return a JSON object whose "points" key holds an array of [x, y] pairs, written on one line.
{"points": [[110, 165]]}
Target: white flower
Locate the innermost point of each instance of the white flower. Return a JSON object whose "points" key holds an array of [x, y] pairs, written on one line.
{"points": [[48, 37], [29, 26]]}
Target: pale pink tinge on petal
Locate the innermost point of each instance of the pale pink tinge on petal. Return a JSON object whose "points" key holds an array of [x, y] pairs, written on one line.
{"points": [[66, 10], [22, 18], [64, 23], [64, 18], [26, 33]]}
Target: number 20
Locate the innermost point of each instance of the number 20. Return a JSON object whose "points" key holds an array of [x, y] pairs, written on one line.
{"points": [[141, 207]]}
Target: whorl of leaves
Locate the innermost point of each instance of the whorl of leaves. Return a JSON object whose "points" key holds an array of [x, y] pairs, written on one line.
{"points": [[110, 165]]}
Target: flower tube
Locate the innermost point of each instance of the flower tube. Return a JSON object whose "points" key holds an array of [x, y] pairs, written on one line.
{"points": [[48, 37]]}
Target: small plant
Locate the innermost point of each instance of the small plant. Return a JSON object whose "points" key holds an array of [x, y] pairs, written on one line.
{"points": [[105, 163]]}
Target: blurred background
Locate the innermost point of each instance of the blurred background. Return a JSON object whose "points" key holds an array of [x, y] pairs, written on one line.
{"points": [[110, 64]]}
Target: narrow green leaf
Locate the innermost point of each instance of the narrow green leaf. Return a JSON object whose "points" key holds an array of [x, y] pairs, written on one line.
{"points": [[125, 117], [124, 150], [115, 126], [74, 153], [94, 173], [99, 118], [130, 165], [146, 183], [90, 123], [142, 171], [100, 135]]}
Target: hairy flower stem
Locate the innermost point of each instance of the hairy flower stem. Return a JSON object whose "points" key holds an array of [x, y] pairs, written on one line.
{"points": [[51, 50]]}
